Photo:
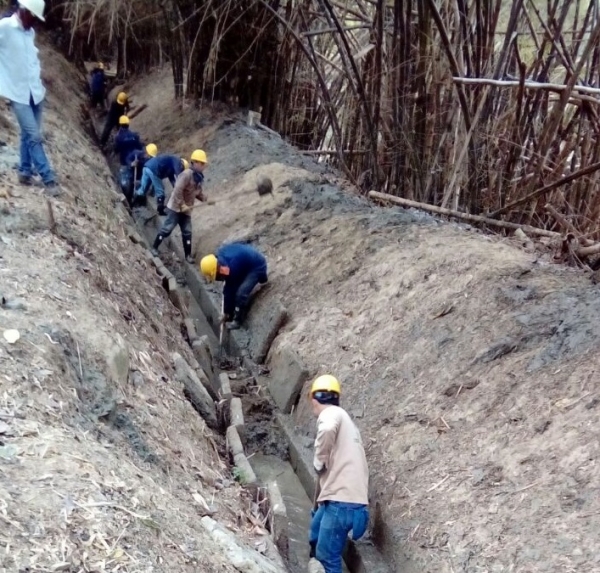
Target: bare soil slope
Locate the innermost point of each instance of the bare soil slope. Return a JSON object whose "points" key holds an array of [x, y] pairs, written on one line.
{"points": [[470, 365], [103, 464]]}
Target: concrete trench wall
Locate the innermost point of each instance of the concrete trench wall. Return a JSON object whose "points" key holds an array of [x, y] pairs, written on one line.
{"points": [[285, 382]]}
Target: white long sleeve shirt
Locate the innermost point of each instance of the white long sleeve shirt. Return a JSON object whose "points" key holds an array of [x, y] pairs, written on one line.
{"points": [[20, 71]]}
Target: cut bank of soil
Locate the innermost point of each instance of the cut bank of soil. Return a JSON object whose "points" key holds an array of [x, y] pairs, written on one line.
{"points": [[468, 363], [103, 463]]}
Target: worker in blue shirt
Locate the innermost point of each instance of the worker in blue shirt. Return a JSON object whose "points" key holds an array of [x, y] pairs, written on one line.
{"points": [[130, 173], [98, 87], [126, 140], [118, 108], [241, 267], [156, 169]]}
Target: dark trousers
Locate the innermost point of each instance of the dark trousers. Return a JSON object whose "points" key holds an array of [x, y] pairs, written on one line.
{"points": [[185, 224], [110, 124], [243, 294]]}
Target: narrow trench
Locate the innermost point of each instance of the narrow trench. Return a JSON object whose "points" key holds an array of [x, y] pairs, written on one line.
{"points": [[265, 445]]}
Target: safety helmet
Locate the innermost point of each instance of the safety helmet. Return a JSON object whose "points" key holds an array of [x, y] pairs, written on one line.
{"points": [[326, 383], [152, 150], [122, 98], [208, 267], [123, 120], [199, 155], [36, 7], [185, 163]]}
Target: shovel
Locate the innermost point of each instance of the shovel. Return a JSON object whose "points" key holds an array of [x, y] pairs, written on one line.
{"points": [[222, 329]]}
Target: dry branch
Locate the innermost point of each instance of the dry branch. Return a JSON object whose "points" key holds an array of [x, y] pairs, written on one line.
{"points": [[527, 84], [464, 216]]}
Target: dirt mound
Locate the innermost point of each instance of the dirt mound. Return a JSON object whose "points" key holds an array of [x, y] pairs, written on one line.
{"points": [[104, 466], [468, 363]]}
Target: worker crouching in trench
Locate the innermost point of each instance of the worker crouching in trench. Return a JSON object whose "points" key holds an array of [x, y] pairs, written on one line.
{"points": [[242, 268]]}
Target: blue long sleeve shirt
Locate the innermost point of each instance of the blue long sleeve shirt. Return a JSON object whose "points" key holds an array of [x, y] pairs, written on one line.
{"points": [[242, 259], [126, 141], [165, 166], [140, 156]]}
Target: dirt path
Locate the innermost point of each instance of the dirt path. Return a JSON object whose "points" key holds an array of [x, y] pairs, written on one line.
{"points": [[469, 363]]}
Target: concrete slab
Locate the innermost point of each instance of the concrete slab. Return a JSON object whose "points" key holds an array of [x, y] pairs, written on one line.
{"points": [[190, 329], [279, 518], [203, 354], [234, 442], [267, 315], [225, 387], [236, 416], [288, 373], [245, 473]]}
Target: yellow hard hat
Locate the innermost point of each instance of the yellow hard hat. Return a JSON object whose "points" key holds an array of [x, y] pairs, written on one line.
{"points": [[122, 98], [185, 163], [208, 267], [326, 383], [123, 120], [199, 155], [152, 150]]}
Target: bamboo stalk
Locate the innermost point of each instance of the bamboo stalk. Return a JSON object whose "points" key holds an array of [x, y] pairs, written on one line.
{"points": [[464, 216]]}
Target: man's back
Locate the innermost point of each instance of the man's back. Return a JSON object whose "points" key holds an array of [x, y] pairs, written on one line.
{"points": [[339, 447], [241, 259]]}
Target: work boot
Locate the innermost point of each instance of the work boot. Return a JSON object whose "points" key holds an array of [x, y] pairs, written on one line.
{"points": [[25, 180], [154, 252], [190, 259], [160, 207], [51, 189], [236, 323]]}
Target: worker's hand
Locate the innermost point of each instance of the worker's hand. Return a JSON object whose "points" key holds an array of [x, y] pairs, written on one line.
{"points": [[320, 468], [186, 208]]}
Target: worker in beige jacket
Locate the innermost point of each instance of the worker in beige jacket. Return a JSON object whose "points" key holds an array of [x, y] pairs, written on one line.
{"points": [[188, 188], [343, 477]]}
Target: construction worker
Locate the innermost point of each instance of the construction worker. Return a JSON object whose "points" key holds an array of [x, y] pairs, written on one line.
{"points": [[126, 140], [135, 163], [342, 477], [118, 108], [21, 83], [156, 169], [242, 267], [98, 87], [188, 187]]}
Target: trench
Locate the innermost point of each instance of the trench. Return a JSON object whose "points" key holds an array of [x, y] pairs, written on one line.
{"points": [[277, 455]]}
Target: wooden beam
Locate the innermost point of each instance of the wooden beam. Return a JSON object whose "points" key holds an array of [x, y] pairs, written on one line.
{"points": [[464, 216]]}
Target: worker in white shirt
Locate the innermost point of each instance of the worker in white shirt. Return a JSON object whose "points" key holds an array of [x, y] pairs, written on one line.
{"points": [[343, 477], [21, 83]]}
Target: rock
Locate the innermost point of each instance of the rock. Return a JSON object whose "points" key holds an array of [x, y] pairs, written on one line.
{"points": [[13, 304], [244, 471], [136, 378], [190, 329], [195, 391], [11, 335], [264, 186], [242, 558], [288, 373], [117, 362], [315, 567]]}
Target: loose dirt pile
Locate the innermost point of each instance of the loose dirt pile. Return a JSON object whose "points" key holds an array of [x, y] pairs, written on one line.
{"points": [[103, 464], [469, 364]]}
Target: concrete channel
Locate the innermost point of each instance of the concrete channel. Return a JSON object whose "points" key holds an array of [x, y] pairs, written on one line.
{"points": [[288, 483]]}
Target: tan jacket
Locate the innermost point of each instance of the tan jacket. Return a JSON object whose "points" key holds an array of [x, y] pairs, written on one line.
{"points": [[339, 449], [184, 192]]}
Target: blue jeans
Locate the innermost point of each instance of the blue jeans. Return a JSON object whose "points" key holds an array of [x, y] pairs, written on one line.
{"points": [[330, 527], [252, 279], [29, 118], [150, 178]]}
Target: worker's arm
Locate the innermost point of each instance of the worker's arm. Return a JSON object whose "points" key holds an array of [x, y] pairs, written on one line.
{"points": [[200, 194], [327, 430]]}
